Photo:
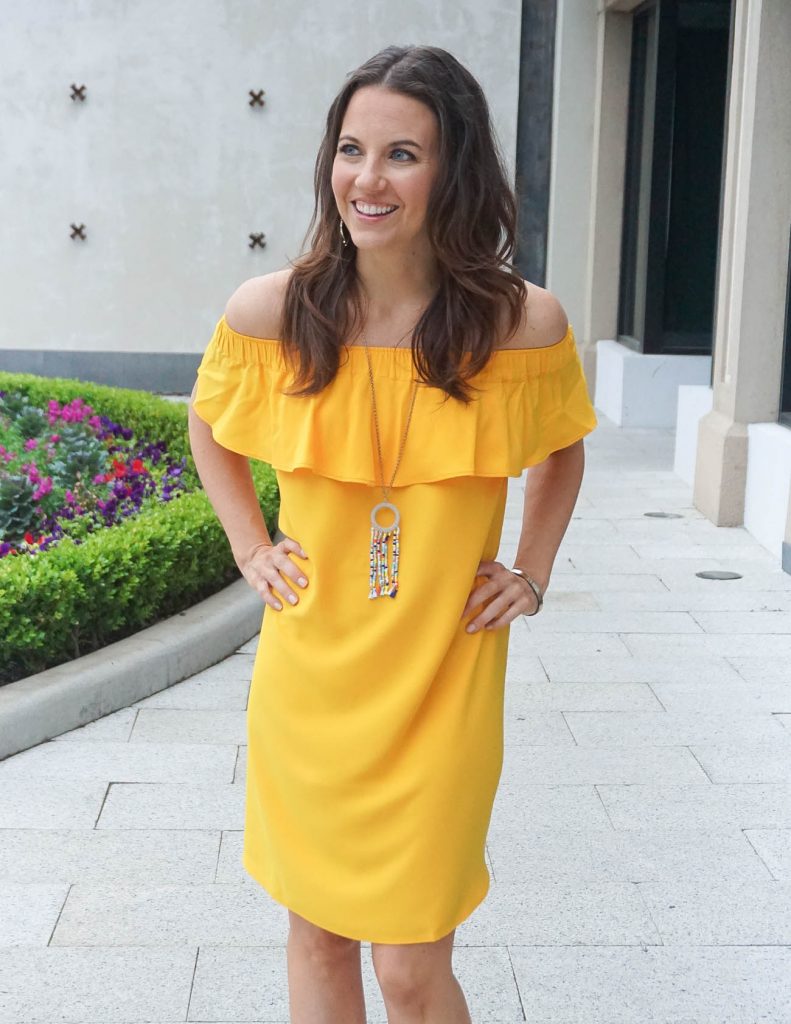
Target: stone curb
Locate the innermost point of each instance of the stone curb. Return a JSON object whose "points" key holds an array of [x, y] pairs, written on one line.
{"points": [[67, 696]]}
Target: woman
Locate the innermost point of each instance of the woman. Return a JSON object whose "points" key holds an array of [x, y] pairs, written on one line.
{"points": [[401, 345]]}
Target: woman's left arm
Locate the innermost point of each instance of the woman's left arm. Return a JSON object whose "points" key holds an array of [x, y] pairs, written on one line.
{"points": [[550, 496]]}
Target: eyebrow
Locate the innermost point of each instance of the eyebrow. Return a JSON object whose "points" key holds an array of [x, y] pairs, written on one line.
{"points": [[397, 142]]}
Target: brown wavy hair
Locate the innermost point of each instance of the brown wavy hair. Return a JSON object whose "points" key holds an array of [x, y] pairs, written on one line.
{"points": [[471, 224]]}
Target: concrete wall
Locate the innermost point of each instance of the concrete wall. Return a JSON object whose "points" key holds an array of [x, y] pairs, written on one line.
{"points": [[167, 164]]}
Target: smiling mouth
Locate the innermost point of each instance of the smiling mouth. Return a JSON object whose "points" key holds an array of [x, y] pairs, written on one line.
{"points": [[369, 211]]}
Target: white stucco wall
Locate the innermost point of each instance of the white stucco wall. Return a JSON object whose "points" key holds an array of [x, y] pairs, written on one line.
{"points": [[166, 163], [571, 168]]}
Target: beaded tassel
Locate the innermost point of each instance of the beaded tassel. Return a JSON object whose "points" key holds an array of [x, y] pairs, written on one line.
{"points": [[382, 582]]}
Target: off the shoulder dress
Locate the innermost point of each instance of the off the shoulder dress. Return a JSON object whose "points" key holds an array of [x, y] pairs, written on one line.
{"points": [[375, 727]]}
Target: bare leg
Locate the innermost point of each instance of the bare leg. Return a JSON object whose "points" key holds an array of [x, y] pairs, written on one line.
{"points": [[418, 984], [324, 975]]}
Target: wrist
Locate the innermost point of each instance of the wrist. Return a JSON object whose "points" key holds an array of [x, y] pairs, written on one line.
{"points": [[243, 555], [537, 588]]}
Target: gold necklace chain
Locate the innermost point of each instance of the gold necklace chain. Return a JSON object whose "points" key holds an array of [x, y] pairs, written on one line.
{"points": [[386, 488]]}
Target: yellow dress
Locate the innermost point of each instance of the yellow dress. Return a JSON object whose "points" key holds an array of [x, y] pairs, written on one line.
{"points": [[375, 727]]}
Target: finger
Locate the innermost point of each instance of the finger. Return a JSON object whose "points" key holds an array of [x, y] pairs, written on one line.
{"points": [[296, 546], [478, 595], [490, 613]]}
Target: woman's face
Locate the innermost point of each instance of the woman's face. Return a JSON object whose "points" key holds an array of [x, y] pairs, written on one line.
{"points": [[385, 165]]}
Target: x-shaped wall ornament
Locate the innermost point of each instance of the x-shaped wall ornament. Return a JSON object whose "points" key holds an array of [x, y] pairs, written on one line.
{"points": [[77, 232], [256, 98], [257, 240], [78, 92]]}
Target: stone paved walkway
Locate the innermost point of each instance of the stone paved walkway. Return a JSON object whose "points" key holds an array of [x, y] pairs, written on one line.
{"points": [[640, 846]]}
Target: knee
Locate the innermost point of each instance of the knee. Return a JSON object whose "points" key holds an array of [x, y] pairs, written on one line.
{"points": [[319, 945], [405, 976]]}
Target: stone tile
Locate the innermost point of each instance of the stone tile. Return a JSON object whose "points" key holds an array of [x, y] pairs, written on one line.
{"points": [[537, 728], [25, 803], [604, 583], [526, 668], [28, 912], [763, 669], [572, 765], [605, 855], [524, 698], [92, 855], [169, 915], [755, 576], [229, 863], [777, 622], [115, 726], [240, 984], [557, 621], [559, 913], [522, 642], [758, 762], [132, 805], [122, 762], [724, 697], [720, 807], [699, 645], [717, 913], [694, 601], [181, 725], [773, 846], [570, 668], [653, 985], [225, 685], [41, 986], [670, 728], [240, 769], [521, 808]]}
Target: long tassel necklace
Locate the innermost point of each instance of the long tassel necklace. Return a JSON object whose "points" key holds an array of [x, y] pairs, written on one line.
{"points": [[383, 576]]}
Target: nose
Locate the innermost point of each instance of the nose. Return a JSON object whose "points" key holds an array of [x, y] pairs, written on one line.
{"points": [[369, 177]]}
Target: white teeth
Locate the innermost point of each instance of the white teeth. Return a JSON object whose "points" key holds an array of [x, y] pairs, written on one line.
{"points": [[365, 208]]}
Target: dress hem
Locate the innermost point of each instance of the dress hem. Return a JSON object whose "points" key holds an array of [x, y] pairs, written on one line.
{"points": [[277, 895]]}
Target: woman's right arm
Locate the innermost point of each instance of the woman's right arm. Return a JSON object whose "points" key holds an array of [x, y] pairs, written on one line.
{"points": [[228, 483]]}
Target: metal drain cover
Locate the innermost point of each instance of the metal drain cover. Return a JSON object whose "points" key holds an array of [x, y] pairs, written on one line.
{"points": [[718, 574]]}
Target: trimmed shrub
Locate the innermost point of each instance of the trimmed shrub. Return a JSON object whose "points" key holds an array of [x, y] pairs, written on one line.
{"points": [[72, 599]]}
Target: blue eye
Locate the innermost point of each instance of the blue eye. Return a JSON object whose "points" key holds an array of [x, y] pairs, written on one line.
{"points": [[405, 152], [346, 145]]}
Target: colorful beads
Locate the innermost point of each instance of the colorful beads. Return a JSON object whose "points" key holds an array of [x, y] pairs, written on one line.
{"points": [[381, 582]]}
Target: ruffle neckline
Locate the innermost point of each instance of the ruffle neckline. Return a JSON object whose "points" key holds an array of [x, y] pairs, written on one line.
{"points": [[529, 403]]}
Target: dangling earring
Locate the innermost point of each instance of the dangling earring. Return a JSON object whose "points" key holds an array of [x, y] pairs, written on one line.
{"points": [[344, 240]]}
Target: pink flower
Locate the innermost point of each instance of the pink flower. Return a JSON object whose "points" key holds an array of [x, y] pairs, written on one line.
{"points": [[54, 438], [30, 445], [43, 488]]}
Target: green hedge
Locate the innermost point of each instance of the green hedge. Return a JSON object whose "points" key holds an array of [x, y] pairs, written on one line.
{"points": [[76, 598]]}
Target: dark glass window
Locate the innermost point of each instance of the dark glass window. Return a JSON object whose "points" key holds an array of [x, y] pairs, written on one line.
{"points": [[785, 392], [675, 135]]}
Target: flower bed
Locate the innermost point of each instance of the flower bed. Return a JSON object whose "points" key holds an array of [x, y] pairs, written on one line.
{"points": [[104, 528]]}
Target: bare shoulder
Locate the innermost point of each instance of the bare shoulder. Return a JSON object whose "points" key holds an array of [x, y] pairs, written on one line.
{"points": [[544, 321], [256, 307]]}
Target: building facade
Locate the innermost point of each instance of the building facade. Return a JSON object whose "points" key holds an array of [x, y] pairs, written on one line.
{"points": [[669, 235]]}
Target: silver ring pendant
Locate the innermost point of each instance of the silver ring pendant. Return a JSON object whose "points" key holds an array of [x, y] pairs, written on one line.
{"points": [[393, 525]]}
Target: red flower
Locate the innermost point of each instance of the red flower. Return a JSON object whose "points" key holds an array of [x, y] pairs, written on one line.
{"points": [[119, 468], [138, 467], [28, 537]]}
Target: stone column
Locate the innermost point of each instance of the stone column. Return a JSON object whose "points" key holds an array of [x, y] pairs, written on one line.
{"points": [[753, 256]]}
